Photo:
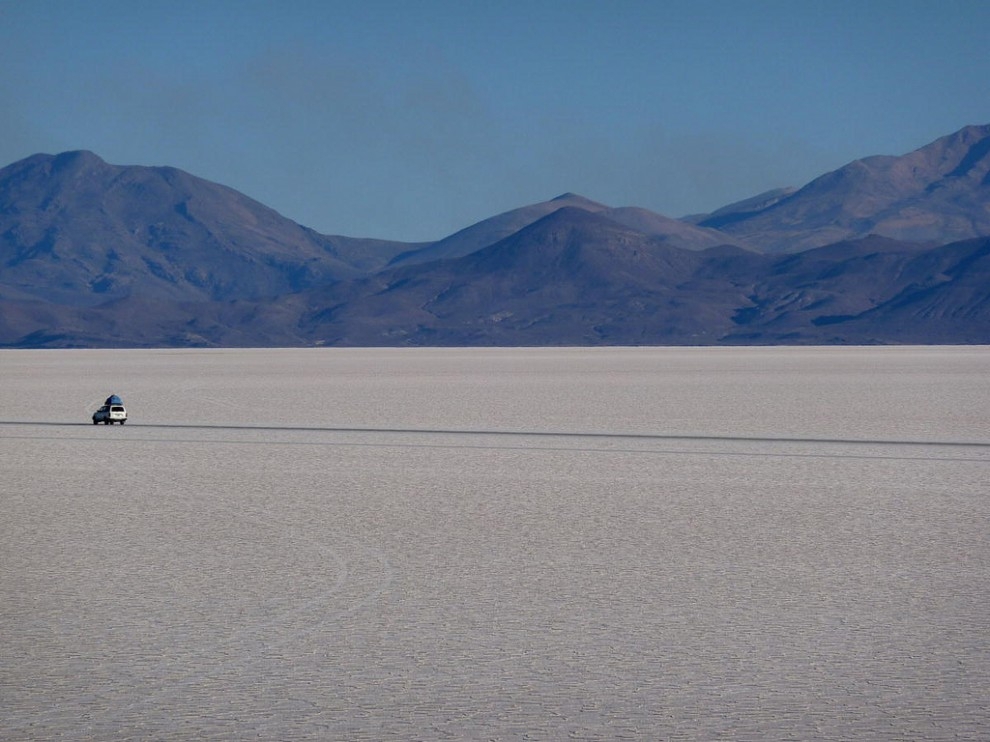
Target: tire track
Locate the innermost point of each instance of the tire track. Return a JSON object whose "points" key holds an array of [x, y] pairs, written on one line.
{"points": [[526, 434]]}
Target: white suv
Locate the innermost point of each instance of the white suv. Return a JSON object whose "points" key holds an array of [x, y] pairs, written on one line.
{"points": [[109, 414]]}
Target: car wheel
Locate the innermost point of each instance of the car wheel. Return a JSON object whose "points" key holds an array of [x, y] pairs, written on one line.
{"points": [[96, 422], [122, 422]]}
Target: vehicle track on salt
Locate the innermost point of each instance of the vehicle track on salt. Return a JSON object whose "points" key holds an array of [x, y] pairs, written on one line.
{"points": [[527, 434]]}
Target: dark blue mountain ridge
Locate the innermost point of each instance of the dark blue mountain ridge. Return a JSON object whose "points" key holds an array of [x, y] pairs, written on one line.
{"points": [[577, 278], [553, 292], [885, 249], [78, 231], [937, 194], [488, 231]]}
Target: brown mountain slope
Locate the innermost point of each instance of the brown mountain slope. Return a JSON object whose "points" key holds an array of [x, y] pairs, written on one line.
{"points": [[674, 232], [573, 277], [946, 295], [935, 195], [78, 231], [579, 278], [95, 255]]}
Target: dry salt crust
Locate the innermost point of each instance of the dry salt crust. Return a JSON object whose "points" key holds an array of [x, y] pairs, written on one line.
{"points": [[687, 544]]}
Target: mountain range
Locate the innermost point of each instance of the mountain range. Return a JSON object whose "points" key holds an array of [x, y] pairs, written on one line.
{"points": [[883, 250]]}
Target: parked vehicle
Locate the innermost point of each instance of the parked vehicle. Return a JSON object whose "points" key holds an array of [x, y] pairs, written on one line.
{"points": [[111, 412]]}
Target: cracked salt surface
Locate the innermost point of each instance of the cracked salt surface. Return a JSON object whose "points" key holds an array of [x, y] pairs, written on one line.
{"points": [[394, 544]]}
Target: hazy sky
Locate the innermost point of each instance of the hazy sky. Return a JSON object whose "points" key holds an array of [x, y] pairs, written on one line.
{"points": [[411, 120]]}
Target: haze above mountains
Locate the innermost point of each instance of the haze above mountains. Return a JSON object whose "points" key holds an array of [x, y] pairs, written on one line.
{"points": [[883, 250]]}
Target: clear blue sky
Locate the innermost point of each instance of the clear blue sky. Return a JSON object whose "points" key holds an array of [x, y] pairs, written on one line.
{"points": [[410, 120]]}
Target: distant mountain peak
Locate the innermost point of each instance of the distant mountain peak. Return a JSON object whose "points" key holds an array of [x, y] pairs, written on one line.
{"points": [[52, 166], [78, 161], [79, 231], [576, 199], [96, 254], [975, 141], [77, 156], [574, 216], [972, 133], [934, 194]]}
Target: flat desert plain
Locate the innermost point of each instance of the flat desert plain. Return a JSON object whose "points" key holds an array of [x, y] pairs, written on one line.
{"points": [[397, 544]]}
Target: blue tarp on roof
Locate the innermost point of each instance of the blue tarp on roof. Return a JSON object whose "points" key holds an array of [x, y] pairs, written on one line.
{"points": [[114, 399]]}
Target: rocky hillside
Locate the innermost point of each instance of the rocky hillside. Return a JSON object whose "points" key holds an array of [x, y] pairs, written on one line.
{"points": [[883, 250], [77, 231], [937, 194]]}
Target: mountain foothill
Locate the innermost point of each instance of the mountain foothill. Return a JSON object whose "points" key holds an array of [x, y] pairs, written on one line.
{"points": [[885, 250]]}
